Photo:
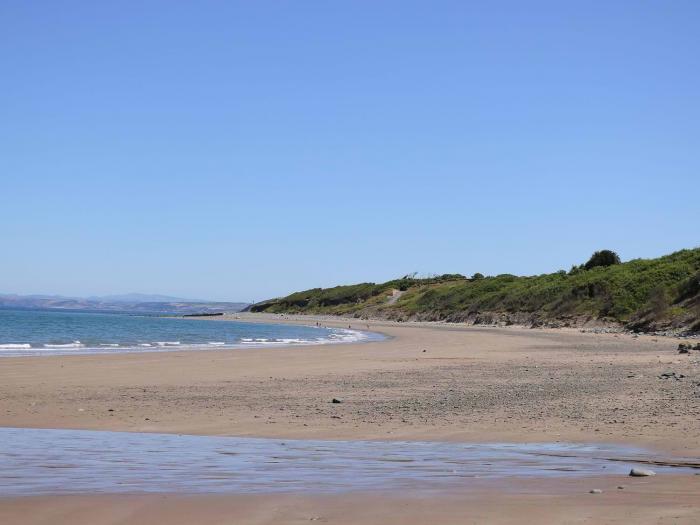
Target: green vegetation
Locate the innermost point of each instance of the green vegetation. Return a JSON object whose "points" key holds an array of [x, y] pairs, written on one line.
{"points": [[642, 294], [602, 258]]}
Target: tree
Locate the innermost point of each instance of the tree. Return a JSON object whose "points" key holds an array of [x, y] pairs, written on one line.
{"points": [[477, 276], [602, 258]]}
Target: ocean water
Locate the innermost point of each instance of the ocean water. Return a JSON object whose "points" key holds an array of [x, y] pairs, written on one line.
{"points": [[51, 332]]}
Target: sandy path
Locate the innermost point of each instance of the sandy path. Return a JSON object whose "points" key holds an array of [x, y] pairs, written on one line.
{"points": [[475, 384]]}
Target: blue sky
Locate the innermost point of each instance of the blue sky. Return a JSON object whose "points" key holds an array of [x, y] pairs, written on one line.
{"points": [[242, 150]]}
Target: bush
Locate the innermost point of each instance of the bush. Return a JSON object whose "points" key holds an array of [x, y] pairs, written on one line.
{"points": [[663, 288], [450, 277], [689, 288], [576, 269], [602, 258], [658, 301]]}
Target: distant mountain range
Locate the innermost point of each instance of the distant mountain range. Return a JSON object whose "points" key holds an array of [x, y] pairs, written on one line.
{"points": [[142, 298], [131, 303]]}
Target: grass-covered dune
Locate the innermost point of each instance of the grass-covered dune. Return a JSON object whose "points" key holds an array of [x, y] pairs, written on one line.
{"points": [[641, 294]]}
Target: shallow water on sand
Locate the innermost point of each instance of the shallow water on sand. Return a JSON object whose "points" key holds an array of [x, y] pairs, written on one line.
{"points": [[40, 461]]}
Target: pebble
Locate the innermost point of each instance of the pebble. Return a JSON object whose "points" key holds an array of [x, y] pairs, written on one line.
{"points": [[671, 375], [335, 400], [595, 491], [641, 472]]}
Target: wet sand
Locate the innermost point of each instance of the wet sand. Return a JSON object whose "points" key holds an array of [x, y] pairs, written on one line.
{"points": [[428, 382], [59, 461], [667, 500]]}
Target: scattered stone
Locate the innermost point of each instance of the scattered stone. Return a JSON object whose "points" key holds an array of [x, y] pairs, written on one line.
{"points": [[620, 487], [671, 375], [684, 348], [641, 472], [595, 491], [110, 410], [335, 400], [424, 350]]}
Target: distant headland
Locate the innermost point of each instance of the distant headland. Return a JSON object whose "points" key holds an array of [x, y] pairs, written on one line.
{"points": [[644, 295]]}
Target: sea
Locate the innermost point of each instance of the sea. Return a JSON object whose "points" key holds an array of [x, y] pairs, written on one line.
{"points": [[57, 332]]}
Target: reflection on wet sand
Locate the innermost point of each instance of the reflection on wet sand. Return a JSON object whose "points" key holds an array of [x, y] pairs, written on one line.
{"points": [[40, 461]]}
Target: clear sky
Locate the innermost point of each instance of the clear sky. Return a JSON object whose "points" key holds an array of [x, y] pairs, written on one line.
{"points": [[242, 150]]}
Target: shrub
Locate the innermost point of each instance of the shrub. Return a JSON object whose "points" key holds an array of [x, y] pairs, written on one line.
{"points": [[658, 301], [602, 258], [576, 269], [689, 288], [664, 288]]}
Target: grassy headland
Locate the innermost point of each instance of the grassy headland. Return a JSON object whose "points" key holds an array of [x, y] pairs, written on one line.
{"points": [[641, 294]]}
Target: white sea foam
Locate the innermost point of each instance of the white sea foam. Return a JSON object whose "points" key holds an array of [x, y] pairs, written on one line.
{"points": [[337, 336], [74, 344], [313, 337]]}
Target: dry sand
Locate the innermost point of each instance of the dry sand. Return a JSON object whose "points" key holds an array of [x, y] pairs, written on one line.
{"points": [[443, 382]]}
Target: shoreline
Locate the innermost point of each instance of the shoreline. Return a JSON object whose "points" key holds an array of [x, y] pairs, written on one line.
{"points": [[175, 335], [399, 359], [441, 383], [592, 326]]}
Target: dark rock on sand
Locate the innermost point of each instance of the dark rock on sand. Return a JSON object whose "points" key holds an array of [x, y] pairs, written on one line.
{"points": [[641, 472], [671, 375]]}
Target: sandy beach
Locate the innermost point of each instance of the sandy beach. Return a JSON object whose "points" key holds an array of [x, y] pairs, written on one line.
{"points": [[667, 500], [426, 382], [350, 263]]}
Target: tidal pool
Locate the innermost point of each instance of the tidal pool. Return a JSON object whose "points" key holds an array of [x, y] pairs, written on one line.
{"points": [[42, 461]]}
